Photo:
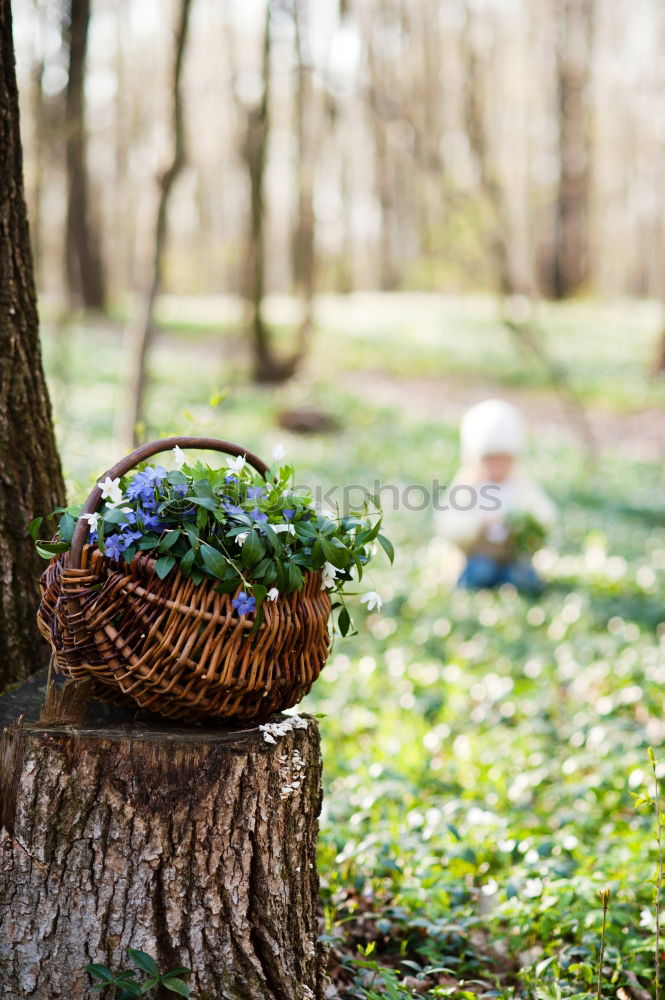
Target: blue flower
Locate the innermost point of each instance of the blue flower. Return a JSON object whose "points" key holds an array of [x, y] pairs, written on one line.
{"points": [[232, 508], [244, 603], [114, 547], [136, 487], [130, 518], [180, 489], [255, 492], [288, 514], [92, 538], [258, 515], [128, 537], [154, 476], [230, 479], [152, 522], [148, 501]]}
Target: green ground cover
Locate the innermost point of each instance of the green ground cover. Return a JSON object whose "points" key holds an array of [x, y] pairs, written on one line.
{"points": [[482, 752]]}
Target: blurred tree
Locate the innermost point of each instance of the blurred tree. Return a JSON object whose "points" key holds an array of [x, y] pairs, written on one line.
{"points": [[570, 264], [30, 477], [516, 295], [141, 336], [255, 116], [84, 267], [304, 243]]}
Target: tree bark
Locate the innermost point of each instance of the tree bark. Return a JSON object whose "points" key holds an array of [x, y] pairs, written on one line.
{"points": [[570, 263], [196, 846], [30, 476], [142, 335], [85, 272]]}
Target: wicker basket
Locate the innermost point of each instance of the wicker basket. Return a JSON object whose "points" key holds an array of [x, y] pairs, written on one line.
{"points": [[169, 645]]}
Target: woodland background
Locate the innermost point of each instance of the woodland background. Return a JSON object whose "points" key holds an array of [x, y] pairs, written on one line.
{"points": [[356, 218]]}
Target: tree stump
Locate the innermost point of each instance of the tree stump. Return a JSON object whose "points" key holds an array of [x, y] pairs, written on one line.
{"points": [[194, 845]]}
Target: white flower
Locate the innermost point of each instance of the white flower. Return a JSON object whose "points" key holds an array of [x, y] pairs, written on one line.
{"points": [[242, 538], [111, 489], [179, 457], [280, 528], [92, 519], [273, 594], [236, 465], [329, 574], [279, 452], [116, 506], [372, 600]]}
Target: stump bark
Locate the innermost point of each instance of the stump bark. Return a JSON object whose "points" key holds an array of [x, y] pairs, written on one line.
{"points": [[194, 845]]}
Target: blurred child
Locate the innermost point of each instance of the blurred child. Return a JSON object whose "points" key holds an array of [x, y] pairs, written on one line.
{"points": [[496, 514]]}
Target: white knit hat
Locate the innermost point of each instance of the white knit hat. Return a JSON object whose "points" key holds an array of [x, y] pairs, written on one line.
{"points": [[492, 427]]}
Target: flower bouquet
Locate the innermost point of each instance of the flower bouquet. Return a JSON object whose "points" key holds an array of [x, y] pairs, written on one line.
{"points": [[201, 592], [526, 534]]}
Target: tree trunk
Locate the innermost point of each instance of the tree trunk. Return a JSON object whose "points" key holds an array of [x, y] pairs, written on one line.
{"points": [[142, 335], [570, 264], [30, 477], [197, 846], [85, 273], [268, 368], [304, 236]]}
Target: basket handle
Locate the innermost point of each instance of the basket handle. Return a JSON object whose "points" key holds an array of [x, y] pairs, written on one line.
{"points": [[125, 465]]}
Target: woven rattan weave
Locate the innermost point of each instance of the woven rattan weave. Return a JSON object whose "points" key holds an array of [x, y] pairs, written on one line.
{"points": [[169, 645]]}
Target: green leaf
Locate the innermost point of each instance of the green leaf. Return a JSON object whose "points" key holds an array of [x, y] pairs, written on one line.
{"points": [[213, 560], [208, 502], [100, 972], [130, 989], [344, 622], [114, 516], [176, 478], [144, 962], [193, 536], [48, 549], [176, 986], [173, 973], [338, 556], [164, 565], [187, 562], [387, 547], [148, 542], [253, 549], [34, 528], [67, 525], [168, 540]]}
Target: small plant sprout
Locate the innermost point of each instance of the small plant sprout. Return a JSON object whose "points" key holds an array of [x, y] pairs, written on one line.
{"points": [[125, 984], [604, 895]]}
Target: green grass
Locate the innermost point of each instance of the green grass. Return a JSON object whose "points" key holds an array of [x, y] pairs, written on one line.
{"points": [[480, 750]]}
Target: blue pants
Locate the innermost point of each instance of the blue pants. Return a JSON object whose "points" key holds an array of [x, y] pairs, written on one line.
{"points": [[483, 571]]}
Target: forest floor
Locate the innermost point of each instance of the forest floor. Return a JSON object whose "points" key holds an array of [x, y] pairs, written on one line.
{"points": [[484, 755]]}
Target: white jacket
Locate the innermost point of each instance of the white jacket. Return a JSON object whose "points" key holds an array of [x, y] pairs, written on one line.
{"points": [[476, 512]]}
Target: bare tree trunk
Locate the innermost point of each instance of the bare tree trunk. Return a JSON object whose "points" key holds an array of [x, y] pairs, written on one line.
{"points": [[570, 263], [267, 366], [304, 242], [30, 477], [141, 336], [197, 846], [84, 268]]}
